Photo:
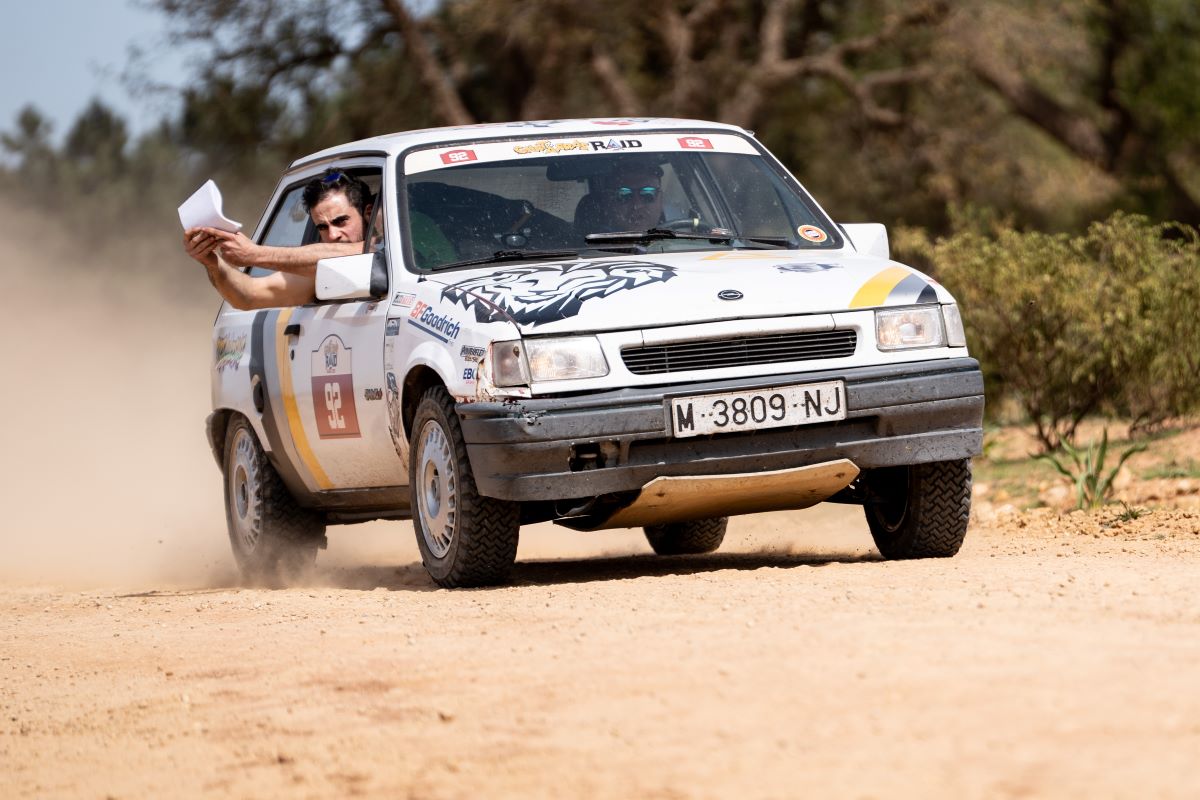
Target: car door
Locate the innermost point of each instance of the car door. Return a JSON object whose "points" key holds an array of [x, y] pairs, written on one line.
{"points": [[338, 416]]}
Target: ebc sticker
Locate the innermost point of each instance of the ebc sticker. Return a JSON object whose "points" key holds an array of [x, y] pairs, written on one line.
{"points": [[452, 157], [537, 295], [333, 390], [812, 233], [442, 327]]}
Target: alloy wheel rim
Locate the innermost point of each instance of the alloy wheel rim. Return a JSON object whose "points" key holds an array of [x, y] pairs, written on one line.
{"points": [[437, 498], [243, 478]]}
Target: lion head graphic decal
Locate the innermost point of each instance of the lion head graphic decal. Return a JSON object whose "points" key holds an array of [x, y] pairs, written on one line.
{"points": [[539, 294]]}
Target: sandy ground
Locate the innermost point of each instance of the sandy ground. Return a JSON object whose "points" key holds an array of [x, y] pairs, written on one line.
{"points": [[1056, 656]]}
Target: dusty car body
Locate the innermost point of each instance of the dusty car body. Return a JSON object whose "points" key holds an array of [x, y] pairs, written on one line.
{"points": [[501, 354]]}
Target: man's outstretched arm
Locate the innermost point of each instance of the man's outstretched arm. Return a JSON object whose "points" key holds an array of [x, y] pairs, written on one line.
{"points": [[242, 291], [237, 250]]}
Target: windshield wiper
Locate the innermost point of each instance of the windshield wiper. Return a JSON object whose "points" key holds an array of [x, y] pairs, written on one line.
{"points": [[655, 234], [511, 255]]}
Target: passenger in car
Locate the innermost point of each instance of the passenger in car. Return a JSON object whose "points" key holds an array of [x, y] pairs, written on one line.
{"points": [[338, 205]]}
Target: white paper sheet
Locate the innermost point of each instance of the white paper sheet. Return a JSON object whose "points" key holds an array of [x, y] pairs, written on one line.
{"points": [[203, 210]]}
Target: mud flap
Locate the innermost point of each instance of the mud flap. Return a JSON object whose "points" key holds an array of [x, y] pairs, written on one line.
{"points": [[675, 499]]}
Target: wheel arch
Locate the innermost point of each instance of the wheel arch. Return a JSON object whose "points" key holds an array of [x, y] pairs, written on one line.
{"points": [[216, 426], [420, 379]]}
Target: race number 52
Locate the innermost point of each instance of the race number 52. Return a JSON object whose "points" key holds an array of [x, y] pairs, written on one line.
{"points": [[333, 404]]}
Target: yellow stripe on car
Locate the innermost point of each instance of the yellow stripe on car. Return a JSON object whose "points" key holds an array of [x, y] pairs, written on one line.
{"points": [[876, 290], [299, 439]]}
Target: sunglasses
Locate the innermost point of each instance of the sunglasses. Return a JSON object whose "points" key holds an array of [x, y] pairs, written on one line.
{"points": [[333, 177], [646, 194]]}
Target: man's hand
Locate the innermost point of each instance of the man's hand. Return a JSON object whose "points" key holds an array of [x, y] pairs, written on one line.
{"points": [[201, 246], [235, 248]]}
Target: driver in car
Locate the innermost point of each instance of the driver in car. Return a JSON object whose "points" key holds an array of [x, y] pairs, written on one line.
{"points": [[339, 206], [632, 196]]}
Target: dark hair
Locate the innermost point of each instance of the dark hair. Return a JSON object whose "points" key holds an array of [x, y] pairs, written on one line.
{"points": [[335, 180]]}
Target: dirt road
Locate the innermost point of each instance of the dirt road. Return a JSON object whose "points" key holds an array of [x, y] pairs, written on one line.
{"points": [[794, 664], [1054, 657]]}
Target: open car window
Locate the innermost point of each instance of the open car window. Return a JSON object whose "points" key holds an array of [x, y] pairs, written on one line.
{"points": [[290, 224]]}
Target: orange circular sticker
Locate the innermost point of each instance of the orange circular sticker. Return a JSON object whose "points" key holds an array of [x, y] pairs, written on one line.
{"points": [[812, 233]]}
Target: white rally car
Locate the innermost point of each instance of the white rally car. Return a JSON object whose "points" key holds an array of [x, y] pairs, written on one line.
{"points": [[500, 355]]}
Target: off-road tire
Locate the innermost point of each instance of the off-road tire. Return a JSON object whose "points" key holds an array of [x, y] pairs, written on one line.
{"points": [[687, 538], [274, 540], [465, 539], [919, 511]]}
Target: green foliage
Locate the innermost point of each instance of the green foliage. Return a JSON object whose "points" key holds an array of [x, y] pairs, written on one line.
{"points": [[1129, 513], [1070, 326], [1086, 471]]}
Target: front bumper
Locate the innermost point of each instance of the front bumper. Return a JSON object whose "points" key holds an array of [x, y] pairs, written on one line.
{"points": [[563, 448]]}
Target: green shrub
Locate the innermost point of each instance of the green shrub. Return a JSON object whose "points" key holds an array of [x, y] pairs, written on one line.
{"points": [[1103, 322], [1086, 471]]}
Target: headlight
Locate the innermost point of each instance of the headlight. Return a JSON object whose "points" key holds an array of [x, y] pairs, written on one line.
{"points": [[565, 359], [904, 328], [508, 364], [517, 363], [956, 336]]}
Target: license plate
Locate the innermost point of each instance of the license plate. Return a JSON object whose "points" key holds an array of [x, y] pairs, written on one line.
{"points": [[758, 409]]}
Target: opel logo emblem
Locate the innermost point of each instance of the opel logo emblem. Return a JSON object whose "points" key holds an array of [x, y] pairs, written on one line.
{"points": [[729, 294]]}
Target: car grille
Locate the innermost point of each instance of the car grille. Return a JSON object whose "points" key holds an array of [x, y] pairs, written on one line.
{"points": [[772, 348]]}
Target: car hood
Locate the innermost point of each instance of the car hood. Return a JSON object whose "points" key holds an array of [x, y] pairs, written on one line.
{"points": [[660, 289]]}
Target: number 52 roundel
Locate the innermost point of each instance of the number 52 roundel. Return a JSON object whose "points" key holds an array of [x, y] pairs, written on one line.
{"points": [[333, 390]]}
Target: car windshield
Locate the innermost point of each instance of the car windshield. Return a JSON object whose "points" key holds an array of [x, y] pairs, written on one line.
{"points": [[582, 197]]}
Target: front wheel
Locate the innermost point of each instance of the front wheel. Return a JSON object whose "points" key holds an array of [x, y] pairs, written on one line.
{"points": [[465, 539], [687, 538], [919, 511], [274, 540]]}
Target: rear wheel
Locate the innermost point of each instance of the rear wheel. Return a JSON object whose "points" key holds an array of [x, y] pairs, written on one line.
{"points": [[465, 539], [687, 538], [919, 511], [274, 540]]}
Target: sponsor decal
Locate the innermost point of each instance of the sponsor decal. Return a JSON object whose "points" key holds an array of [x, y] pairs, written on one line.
{"points": [[536, 295], [695, 143], [230, 350], [442, 327], [547, 146], [469, 375], [393, 326], [806, 267], [404, 300], [333, 390], [616, 144], [470, 353], [372, 394], [395, 424], [730, 294], [458, 156], [812, 233]]}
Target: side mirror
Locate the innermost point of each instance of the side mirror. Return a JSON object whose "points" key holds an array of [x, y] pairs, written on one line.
{"points": [[358, 277], [869, 239]]}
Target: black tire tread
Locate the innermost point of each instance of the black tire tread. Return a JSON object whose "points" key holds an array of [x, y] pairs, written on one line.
{"points": [[486, 547], [939, 512], [290, 535], [692, 537]]}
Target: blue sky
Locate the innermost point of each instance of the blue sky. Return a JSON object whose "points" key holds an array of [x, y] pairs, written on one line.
{"points": [[58, 54]]}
